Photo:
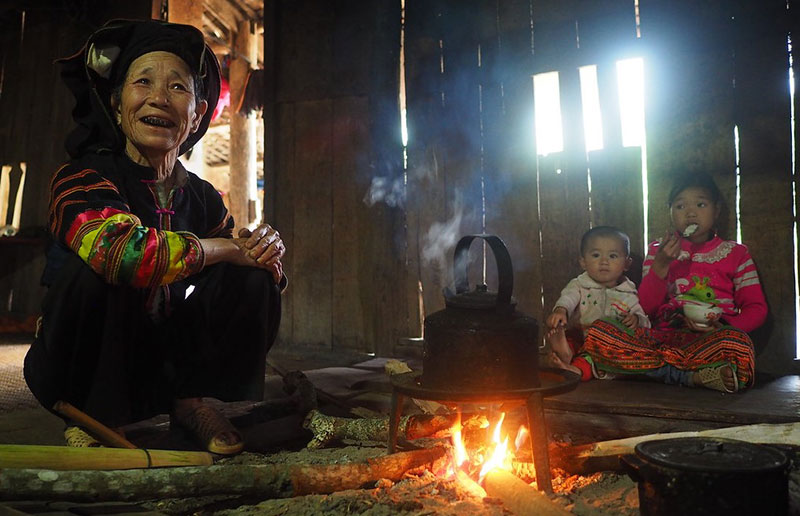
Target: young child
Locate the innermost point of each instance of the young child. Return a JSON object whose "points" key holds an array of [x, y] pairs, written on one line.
{"points": [[601, 291], [690, 259]]}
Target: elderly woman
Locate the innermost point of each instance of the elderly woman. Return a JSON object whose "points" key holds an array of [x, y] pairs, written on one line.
{"points": [[151, 305]]}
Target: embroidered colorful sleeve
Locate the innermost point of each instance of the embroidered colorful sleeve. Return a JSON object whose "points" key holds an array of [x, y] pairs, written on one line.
{"points": [[88, 214]]}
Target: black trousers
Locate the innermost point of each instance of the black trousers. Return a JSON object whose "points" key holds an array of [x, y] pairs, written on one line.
{"points": [[100, 351]]}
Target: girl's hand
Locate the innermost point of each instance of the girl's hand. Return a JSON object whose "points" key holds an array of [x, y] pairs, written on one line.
{"points": [[668, 251], [631, 320], [713, 324]]}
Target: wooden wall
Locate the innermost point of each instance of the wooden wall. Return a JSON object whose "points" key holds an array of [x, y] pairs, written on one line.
{"points": [[356, 270], [337, 128], [35, 117]]}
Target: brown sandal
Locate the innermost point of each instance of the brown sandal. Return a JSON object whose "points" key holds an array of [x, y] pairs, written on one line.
{"points": [[206, 424]]}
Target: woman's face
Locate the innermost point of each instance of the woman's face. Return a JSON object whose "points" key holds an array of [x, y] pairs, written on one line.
{"points": [[157, 109], [695, 205]]}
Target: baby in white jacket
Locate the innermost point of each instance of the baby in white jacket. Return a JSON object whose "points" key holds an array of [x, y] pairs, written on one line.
{"points": [[601, 291]]}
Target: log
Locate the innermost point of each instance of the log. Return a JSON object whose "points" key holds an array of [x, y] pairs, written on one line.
{"points": [[518, 497], [605, 455], [66, 458], [264, 482], [328, 429]]}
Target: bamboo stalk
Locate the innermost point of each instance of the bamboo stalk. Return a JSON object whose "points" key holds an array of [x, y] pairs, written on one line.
{"points": [[63, 458], [5, 185], [268, 481], [18, 202], [93, 426], [518, 497]]}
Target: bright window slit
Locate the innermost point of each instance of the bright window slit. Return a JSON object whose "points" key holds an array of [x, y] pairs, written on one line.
{"points": [[547, 104], [590, 100], [630, 83]]}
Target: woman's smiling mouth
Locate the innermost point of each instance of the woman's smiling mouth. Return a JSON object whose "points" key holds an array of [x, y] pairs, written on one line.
{"points": [[156, 121]]}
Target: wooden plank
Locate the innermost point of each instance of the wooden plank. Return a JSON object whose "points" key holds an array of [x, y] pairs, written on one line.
{"points": [[306, 32], [285, 186], [352, 303], [512, 189], [461, 131], [689, 102], [770, 401], [225, 13], [385, 239], [563, 196], [763, 114], [313, 257], [426, 178], [352, 35], [269, 113]]}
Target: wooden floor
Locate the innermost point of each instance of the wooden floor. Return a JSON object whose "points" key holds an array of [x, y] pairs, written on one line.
{"points": [[599, 410]]}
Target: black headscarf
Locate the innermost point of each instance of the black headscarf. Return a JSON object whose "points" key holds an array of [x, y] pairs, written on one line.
{"points": [[101, 65]]}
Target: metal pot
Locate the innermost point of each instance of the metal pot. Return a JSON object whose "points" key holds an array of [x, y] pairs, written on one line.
{"points": [[480, 341], [709, 476]]}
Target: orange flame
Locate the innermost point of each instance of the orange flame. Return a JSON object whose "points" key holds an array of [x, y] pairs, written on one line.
{"points": [[460, 455]]}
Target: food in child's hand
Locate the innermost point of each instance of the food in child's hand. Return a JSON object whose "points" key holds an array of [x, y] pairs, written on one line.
{"points": [[690, 229]]}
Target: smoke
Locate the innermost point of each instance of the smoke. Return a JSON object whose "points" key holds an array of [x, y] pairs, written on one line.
{"points": [[441, 238], [386, 190]]}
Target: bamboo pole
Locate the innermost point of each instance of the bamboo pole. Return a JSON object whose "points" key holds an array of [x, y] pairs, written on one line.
{"points": [[268, 481], [93, 426], [18, 203], [5, 185], [63, 458], [518, 497]]}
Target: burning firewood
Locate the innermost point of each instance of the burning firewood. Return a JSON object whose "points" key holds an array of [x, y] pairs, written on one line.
{"points": [[328, 429], [518, 497], [265, 482]]}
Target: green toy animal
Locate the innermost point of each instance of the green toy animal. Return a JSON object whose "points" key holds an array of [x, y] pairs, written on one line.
{"points": [[700, 291]]}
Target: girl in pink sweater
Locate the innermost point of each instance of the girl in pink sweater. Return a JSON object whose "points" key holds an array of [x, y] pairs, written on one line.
{"points": [[688, 264]]}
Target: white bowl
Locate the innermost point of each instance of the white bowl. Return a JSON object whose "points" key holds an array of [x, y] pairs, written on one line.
{"points": [[701, 313]]}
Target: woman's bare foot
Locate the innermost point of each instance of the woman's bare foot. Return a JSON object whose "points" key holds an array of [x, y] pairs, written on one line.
{"points": [[553, 360]]}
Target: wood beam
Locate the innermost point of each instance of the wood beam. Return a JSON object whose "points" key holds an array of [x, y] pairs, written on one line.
{"points": [[226, 13]]}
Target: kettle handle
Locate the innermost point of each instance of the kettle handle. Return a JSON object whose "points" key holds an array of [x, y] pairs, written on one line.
{"points": [[505, 273]]}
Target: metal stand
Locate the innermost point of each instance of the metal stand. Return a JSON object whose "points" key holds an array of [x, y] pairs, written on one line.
{"points": [[552, 381]]}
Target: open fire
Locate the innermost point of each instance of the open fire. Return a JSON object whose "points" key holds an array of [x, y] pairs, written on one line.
{"points": [[471, 466]]}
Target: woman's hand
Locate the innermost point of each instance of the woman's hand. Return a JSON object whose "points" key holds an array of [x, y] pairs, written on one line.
{"points": [[264, 247], [668, 251], [631, 320]]}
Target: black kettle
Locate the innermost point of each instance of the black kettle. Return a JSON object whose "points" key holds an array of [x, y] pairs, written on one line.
{"points": [[479, 341]]}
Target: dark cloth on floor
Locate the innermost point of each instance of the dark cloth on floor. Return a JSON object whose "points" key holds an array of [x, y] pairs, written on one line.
{"points": [[98, 350]]}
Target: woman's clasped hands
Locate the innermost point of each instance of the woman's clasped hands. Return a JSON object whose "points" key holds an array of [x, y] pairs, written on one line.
{"points": [[263, 248]]}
